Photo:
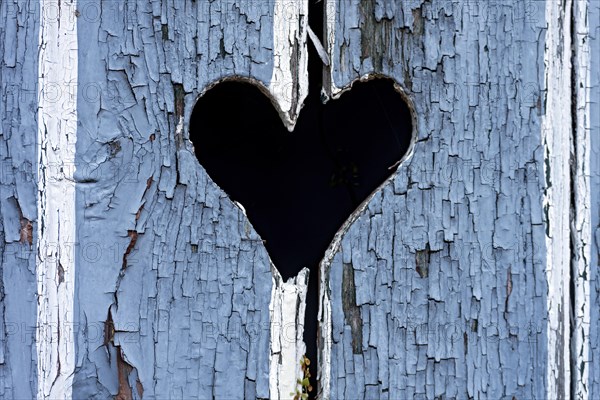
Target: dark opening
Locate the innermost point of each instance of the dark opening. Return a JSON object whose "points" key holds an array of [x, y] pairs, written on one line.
{"points": [[298, 188]]}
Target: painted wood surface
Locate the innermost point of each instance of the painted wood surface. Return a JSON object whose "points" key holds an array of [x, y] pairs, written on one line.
{"points": [[178, 268], [467, 272], [587, 217], [57, 217], [448, 263], [452, 280], [19, 35]]}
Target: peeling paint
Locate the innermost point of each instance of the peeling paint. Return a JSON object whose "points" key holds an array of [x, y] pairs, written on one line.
{"points": [[449, 257], [351, 310], [57, 120], [593, 124], [581, 202], [422, 259], [192, 281], [288, 301], [556, 137], [289, 82], [26, 233], [134, 236], [125, 392], [195, 294], [19, 57]]}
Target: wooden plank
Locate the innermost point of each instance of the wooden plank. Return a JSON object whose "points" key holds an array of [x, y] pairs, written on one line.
{"points": [[19, 32], [459, 266], [586, 229], [164, 254], [466, 207], [581, 219], [557, 142], [55, 270]]}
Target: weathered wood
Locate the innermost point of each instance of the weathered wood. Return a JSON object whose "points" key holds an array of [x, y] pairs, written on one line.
{"points": [[190, 298], [459, 277], [57, 221], [557, 143], [287, 323], [581, 228], [586, 219], [466, 208], [19, 31]]}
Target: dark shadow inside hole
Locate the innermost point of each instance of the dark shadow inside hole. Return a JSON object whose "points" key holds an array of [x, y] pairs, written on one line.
{"points": [[298, 188]]}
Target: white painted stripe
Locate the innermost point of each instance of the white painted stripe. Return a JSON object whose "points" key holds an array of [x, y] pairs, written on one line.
{"points": [[289, 80], [582, 228], [329, 87], [288, 88], [556, 136], [57, 126], [288, 302], [318, 46], [325, 323]]}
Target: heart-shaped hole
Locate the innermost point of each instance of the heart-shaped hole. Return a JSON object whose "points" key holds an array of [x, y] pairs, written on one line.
{"points": [[299, 187]]}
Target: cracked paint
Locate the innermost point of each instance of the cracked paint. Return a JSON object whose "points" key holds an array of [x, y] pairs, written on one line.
{"points": [[196, 291], [592, 18], [287, 306], [584, 183], [556, 136], [450, 255], [19, 28], [460, 262], [55, 270]]}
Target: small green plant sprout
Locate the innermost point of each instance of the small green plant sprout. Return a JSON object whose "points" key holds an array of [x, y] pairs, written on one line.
{"points": [[304, 383]]}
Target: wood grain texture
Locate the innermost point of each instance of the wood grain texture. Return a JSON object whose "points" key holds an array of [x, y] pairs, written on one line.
{"points": [[166, 256], [55, 250], [587, 28], [449, 257], [453, 278], [19, 31], [557, 140], [581, 217]]}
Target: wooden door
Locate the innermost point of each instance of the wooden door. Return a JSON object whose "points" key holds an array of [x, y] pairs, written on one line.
{"points": [[126, 271]]}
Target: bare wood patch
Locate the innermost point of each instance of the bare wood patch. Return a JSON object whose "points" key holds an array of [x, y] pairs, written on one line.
{"points": [[351, 310]]}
